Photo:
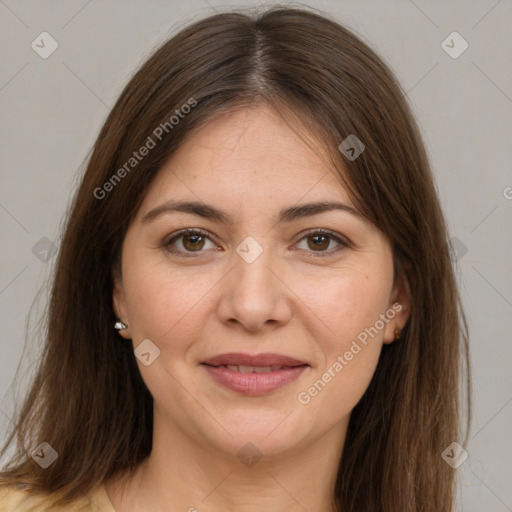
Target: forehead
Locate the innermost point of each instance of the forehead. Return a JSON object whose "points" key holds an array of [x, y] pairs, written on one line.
{"points": [[247, 157]]}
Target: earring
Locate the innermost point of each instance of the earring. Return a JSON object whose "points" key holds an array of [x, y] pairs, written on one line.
{"points": [[397, 334], [120, 326]]}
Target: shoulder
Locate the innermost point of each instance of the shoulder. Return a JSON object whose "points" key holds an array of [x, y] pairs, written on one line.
{"points": [[17, 499]]}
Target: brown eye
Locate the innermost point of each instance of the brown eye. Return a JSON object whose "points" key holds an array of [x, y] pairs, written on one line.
{"points": [[188, 241], [318, 241], [193, 242]]}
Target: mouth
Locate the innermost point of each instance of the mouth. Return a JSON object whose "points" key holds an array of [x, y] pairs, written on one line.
{"points": [[254, 375], [272, 361], [253, 369]]}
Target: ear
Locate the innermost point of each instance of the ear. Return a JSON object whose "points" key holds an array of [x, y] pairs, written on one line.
{"points": [[119, 301], [399, 308]]}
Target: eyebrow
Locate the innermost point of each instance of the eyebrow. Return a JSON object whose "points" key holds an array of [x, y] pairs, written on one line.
{"points": [[210, 212]]}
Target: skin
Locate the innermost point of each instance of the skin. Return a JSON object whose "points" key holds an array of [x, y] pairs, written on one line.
{"points": [[251, 164]]}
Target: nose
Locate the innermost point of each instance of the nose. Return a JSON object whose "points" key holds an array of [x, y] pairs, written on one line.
{"points": [[253, 294]]}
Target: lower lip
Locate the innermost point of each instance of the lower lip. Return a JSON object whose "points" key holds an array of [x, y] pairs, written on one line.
{"points": [[254, 384]]}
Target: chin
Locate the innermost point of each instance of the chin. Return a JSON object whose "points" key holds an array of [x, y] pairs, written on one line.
{"points": [[274, 434]]}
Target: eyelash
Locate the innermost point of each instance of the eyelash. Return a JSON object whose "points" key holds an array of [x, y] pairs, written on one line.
{"points": [[321, 254]]}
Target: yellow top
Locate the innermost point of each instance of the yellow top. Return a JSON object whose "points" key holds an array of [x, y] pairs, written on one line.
{"points": [[15, 500]]}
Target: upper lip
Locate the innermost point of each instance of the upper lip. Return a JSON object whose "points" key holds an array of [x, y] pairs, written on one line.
{"points": [[237, 359]]}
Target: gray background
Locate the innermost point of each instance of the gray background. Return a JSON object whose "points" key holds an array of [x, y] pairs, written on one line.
{"points": [[52, 110]]}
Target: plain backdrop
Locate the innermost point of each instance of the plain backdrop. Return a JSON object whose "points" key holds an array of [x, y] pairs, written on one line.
{"points": [[52, 109]]}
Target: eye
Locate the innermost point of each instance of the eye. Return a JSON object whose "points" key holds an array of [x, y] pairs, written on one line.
{"points": [[319, 240], [195, 240], [192, 240]]}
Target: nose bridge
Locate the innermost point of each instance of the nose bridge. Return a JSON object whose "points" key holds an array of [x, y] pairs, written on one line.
{"points": [[253, 294], [252, 274]]}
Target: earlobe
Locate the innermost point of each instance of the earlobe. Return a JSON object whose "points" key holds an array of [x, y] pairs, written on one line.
{"points": [[398, 315], [119, 305], [398, 311]]}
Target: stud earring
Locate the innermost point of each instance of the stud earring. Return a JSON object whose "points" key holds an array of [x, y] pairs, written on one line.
{"points": [[397, 334], [120, 326]]}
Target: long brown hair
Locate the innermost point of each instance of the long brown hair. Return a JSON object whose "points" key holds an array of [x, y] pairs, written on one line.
{"points": [[88, 400]]}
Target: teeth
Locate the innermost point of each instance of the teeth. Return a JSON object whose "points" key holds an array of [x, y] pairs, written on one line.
{"points": [[262, 369], [249, 369]]}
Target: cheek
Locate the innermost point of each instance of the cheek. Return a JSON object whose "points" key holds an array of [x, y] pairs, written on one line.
{"points": [[165, 304], [345, 303], [349, 307]]}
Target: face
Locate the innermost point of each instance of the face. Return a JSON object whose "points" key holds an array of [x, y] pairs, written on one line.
{"points": [[313, 285]]}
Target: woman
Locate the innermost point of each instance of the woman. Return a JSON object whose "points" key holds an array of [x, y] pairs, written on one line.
{"points": [[254, 305]]}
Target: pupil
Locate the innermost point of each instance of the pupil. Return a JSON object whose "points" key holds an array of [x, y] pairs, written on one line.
{"points": [[194, 245], [320, 245]]}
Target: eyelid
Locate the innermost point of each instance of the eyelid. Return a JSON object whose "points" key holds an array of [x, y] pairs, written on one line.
{"points": [[342, 242], [180, 233]]}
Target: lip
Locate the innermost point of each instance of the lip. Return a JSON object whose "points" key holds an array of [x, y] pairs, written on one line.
{"points": [[254, 384], [267, 359]]}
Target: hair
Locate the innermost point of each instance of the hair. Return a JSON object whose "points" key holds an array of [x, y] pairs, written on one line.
{"points": [[87, 398]]}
